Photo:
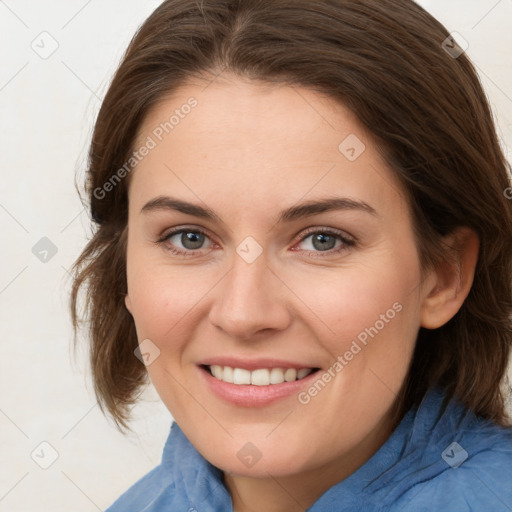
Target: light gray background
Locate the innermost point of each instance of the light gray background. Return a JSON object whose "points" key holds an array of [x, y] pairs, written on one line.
{"points": [[47, 108]]}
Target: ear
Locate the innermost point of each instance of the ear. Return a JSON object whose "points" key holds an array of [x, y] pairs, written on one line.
{"points": [[128, 303], [452, 279]]}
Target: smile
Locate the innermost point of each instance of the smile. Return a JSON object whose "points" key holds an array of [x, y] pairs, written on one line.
{"points": [[255, 383], [258, 377]]}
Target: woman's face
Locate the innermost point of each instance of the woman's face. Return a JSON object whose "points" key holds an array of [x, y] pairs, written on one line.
{"points": [[267, 233]]}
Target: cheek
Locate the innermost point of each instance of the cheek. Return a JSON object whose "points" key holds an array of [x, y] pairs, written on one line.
{"points": [[373, 305], [165, 302], [163, 298]]}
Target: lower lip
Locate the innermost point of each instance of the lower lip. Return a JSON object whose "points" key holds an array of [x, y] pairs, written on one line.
{"points": [[247, 395]]}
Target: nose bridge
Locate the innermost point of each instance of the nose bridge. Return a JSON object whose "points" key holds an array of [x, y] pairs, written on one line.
{"points": [[247, 279], [250, 299]]}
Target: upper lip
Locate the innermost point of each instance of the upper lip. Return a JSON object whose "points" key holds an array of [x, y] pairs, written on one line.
{"points": [[254, 364]]}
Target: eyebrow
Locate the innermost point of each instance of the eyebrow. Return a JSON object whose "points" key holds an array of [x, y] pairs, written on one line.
{"points": [[293, 213]]}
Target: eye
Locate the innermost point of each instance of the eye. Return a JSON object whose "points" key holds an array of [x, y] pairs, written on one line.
{"points": [[328, 241], [189, 241], [184, 241]]}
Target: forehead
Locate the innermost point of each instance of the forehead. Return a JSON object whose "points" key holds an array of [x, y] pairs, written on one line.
{"points": [[266, 114], [218, 137]]}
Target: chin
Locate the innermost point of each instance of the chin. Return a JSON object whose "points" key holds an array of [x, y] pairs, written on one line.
{"points": [[256, 459]]}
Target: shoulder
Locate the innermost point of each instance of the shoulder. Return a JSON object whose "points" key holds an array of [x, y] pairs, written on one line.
{"points": [[471, 473], [154, 487], [183, 478]]}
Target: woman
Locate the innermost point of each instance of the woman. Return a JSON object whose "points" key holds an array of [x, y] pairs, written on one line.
{"points": [[303, 239]]}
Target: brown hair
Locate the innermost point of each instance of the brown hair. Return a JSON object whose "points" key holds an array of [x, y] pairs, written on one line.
{"points": [[386, 61]]}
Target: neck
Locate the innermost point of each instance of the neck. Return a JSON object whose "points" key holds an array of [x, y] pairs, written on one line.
{"points": [[275, 494], [298, 492]]}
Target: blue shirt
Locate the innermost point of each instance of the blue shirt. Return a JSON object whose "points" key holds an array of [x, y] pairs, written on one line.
{"points": [[434, 460]]}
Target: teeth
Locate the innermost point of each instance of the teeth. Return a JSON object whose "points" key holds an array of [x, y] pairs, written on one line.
{"points": [[277, 376], [303, 373], [216, 371], [226, 374], [241, 376], [260, 377], [290, 375]]}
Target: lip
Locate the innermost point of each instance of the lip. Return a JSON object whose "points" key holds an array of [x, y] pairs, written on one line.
{"points": [[249, 395]]}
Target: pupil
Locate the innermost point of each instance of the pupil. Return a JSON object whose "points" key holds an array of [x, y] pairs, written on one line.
{"points": [[323, 242], [192, 240]]}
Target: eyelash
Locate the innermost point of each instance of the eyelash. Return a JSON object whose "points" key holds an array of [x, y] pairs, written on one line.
{"points": [[347, 242]]}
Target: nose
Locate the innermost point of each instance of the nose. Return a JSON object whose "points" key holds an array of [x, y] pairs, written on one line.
{"points": [[250, 300]]}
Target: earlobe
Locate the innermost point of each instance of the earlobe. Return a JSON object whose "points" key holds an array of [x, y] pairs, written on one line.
{"points": [[128, 303], [452, 279]]}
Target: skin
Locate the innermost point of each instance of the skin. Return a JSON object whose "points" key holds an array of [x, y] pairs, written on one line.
{"points": [[247, 151]]}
